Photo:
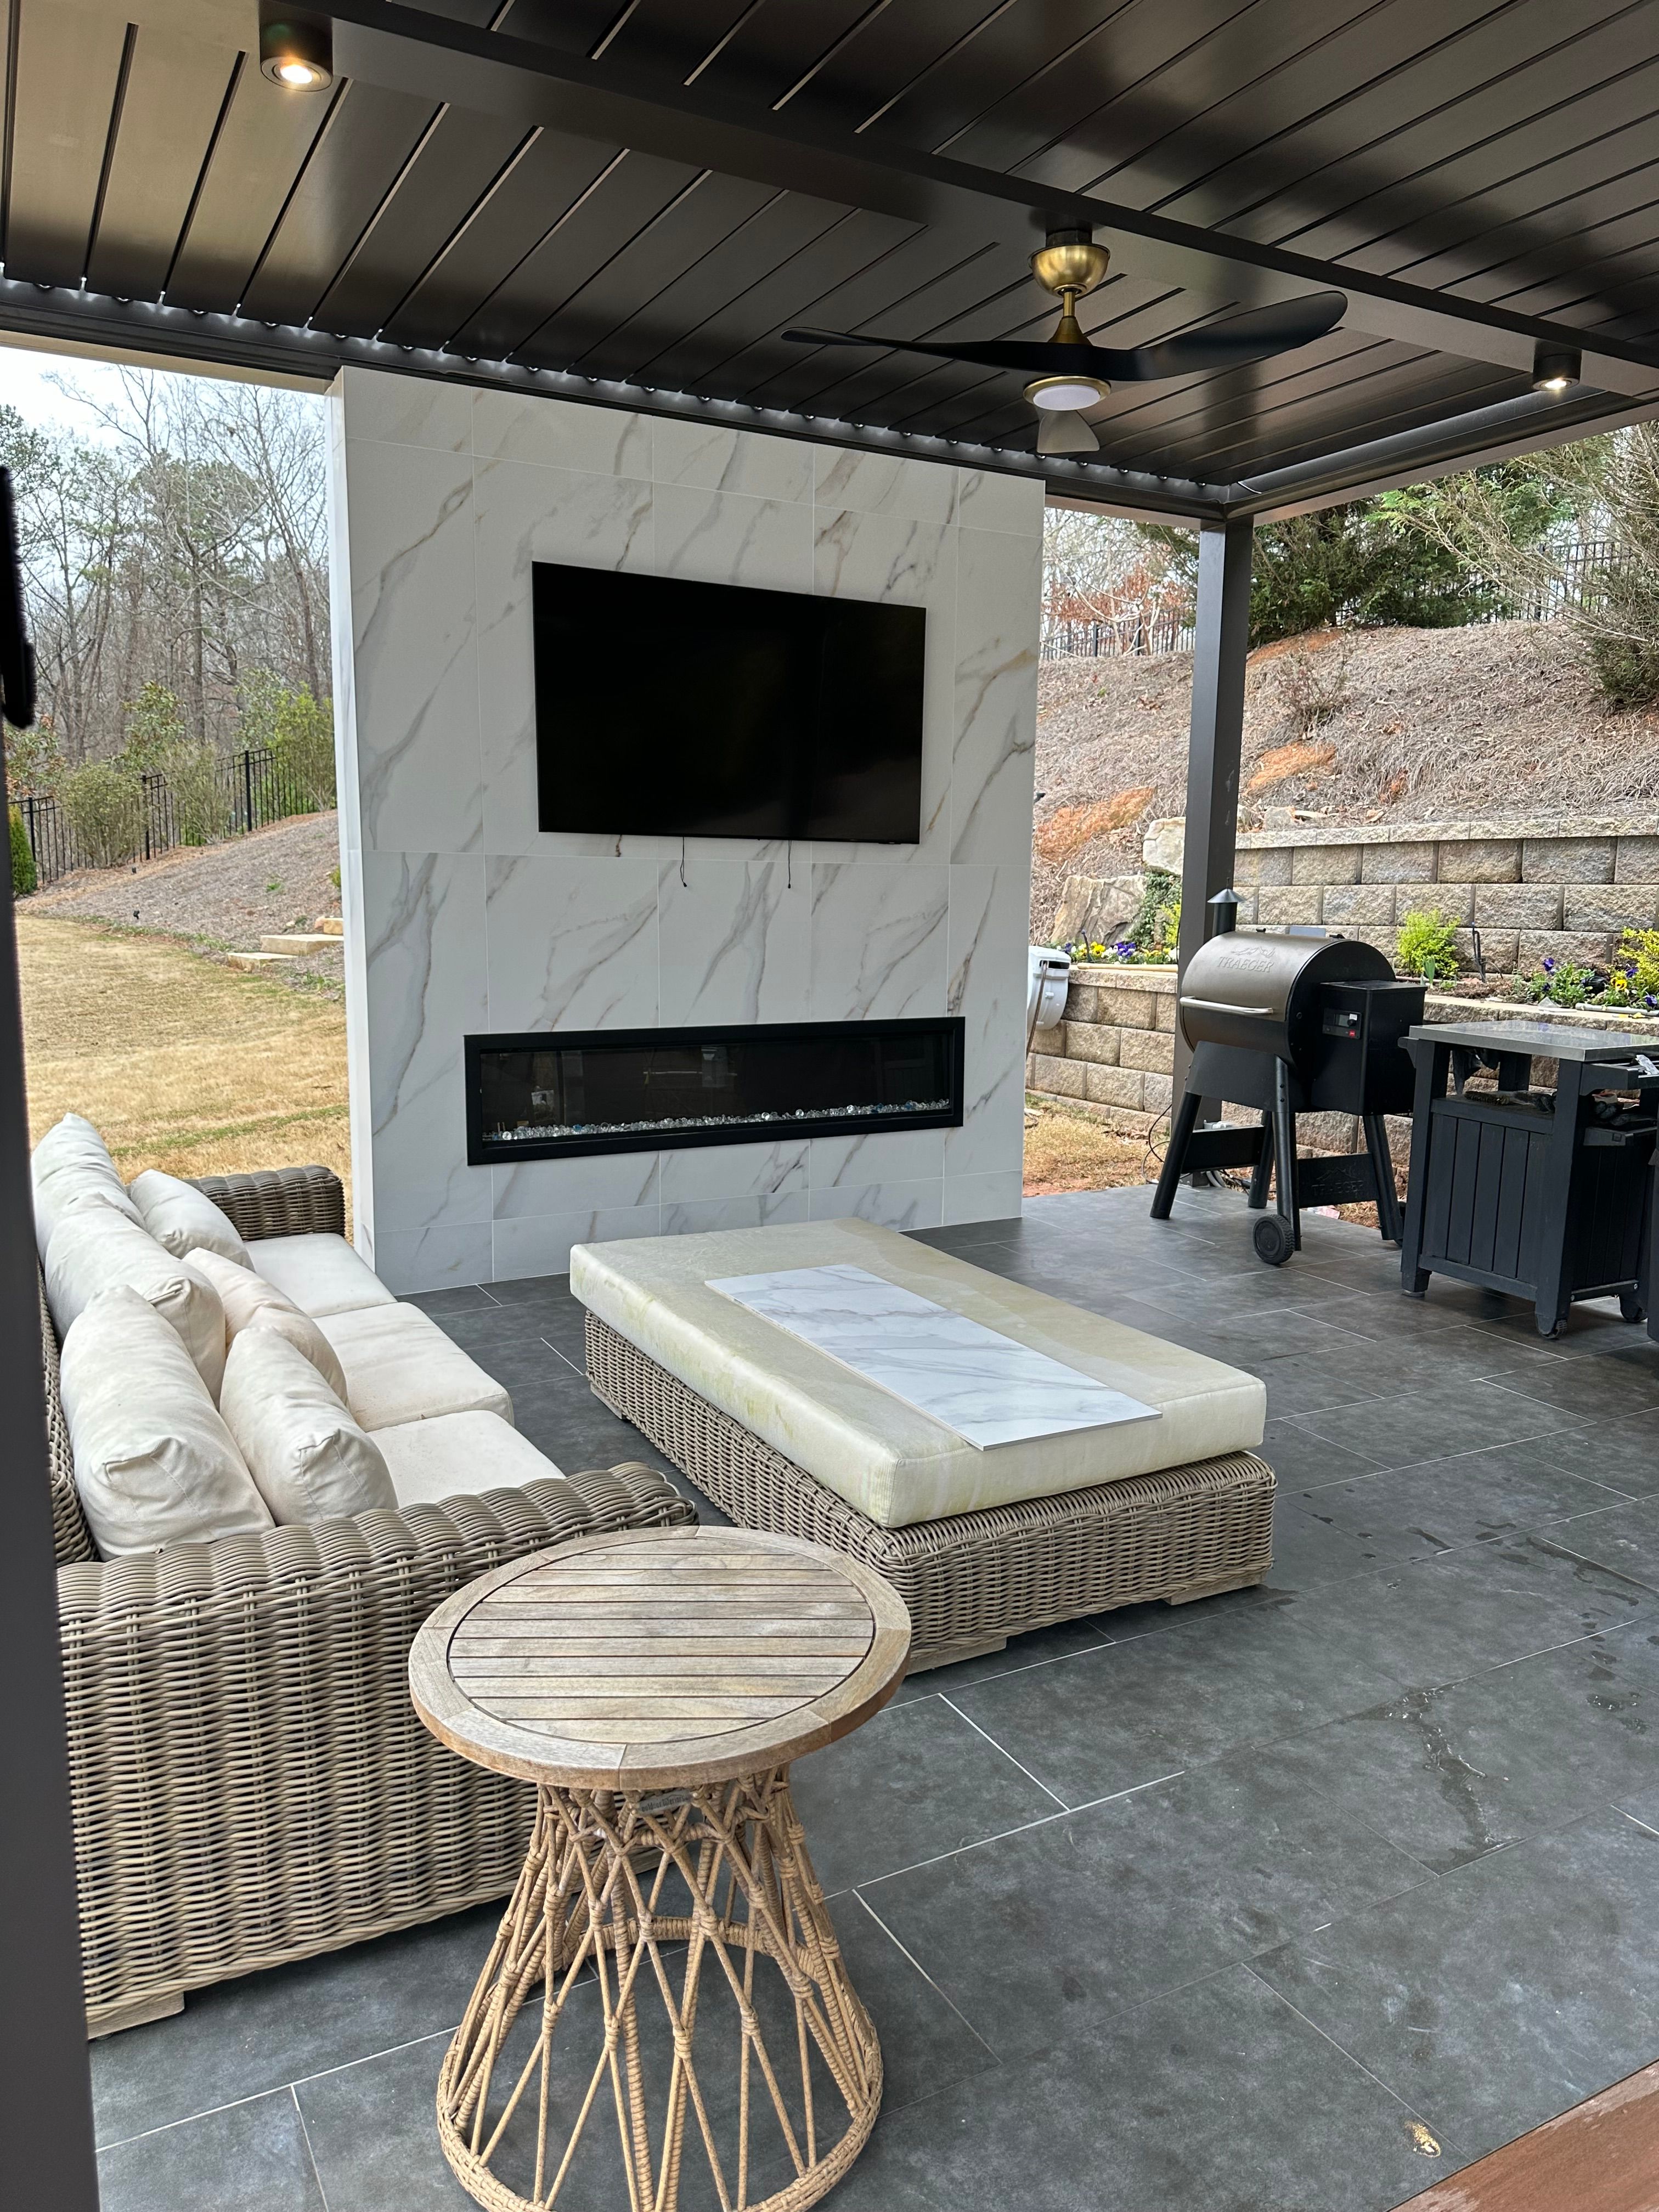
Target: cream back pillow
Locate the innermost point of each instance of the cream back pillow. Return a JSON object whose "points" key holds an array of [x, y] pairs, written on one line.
{"points": [[70, 1165], [250, 1302], [182, 1219], [95, 1249], [308, 1458], [155, 1464]]}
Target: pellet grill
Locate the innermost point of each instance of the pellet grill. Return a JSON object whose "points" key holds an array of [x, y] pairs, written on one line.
{"points": [[1290, 1022]]}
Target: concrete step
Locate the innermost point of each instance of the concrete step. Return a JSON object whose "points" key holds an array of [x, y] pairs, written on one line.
{"points": [[305, 940], [254, 961]]}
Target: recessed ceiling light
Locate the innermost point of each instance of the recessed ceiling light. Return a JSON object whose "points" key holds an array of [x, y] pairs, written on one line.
{"points": [[296, 48], [1555, 368]]}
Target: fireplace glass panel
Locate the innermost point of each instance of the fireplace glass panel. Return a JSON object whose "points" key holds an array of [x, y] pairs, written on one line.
{"points": [[534, 1097]]}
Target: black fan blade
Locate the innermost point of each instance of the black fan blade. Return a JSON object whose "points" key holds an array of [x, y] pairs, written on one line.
{"points": [[1255, 337], [17, 653]]}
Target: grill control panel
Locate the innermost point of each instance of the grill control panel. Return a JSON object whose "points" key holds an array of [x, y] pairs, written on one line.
{"points": [[1343, 1022]]}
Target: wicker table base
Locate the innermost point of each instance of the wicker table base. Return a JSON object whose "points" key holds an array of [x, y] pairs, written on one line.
{"points": [[972, 1580], [806, 2066]]}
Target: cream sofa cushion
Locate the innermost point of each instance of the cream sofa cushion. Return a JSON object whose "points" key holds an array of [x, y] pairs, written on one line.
{"points": [[250, 1302], [895, 1463], [400, 1366], [93, 1248], [320, 1272], [154, 1463], [308, 1458], [459, 1456], [69, 1165], [183, 1219]]}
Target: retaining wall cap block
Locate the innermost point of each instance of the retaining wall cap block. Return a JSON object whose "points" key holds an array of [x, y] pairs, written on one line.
{"points": [[1481, 860], [1451, 832], [1325, 864], [1517, 906]]}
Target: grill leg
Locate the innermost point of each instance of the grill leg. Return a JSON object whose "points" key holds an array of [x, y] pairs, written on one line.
{"points": [[1261, 1173], [1285, 1151], [1169, 1175], [1387, 1206]]}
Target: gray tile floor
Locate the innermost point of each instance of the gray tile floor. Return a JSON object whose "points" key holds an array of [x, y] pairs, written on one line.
{"points": [[1298, 1898]]}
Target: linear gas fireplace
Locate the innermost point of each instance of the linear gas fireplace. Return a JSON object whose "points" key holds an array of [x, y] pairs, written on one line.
{"points": [[621, 1091]]}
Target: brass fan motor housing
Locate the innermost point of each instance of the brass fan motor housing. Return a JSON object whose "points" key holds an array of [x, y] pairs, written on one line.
{"points": [[1070, 261]]}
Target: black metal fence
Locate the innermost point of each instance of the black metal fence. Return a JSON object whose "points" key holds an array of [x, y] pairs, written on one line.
{"points": [[1163, 633], [243, 791]]}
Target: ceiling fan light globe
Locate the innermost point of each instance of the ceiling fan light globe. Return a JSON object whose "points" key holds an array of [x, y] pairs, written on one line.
{"points": [[1067, 394]]}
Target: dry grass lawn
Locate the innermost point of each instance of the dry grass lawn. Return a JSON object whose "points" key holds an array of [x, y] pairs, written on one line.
{"points": [[1072, 1151], [182, 1064]]}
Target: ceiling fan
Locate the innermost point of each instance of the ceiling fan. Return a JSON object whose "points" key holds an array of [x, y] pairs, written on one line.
{"points": [[1069, 372]]}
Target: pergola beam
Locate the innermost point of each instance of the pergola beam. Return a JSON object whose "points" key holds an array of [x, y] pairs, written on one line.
{"points": [[527, 81]]}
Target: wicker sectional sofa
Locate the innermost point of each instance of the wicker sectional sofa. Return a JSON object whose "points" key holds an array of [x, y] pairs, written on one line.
{"points": [[250, 1783]]}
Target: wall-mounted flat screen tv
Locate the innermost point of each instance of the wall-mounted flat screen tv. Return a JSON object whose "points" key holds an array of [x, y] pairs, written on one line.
{"points": [[708, 710]]}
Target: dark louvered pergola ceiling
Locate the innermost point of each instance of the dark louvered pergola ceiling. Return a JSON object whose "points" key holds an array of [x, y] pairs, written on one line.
{"points": [[630, 200]]}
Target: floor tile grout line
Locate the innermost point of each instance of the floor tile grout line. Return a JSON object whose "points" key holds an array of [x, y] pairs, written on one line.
{"points": [[1008, 1756], [1404, 2103], [369, 2057], [305, 2135], [905, 1952], [189, 2119], [1026, 1827]]}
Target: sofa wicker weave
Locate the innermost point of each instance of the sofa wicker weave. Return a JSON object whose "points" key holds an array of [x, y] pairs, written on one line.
{"points": [[970, 1580], [250, 1783]]}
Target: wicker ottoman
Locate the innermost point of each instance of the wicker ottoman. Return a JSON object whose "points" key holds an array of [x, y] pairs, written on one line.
{"points": [[970, 1580]]}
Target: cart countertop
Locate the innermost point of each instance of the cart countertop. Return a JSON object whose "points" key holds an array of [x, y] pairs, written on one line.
{"points": [[1540, 1039]]}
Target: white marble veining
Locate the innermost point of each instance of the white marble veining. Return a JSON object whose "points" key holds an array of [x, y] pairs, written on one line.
{"points": [[463, 915], [987, 1388]]}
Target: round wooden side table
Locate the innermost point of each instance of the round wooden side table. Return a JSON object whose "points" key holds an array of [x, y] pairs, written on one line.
{"points": [[696, 2028]]}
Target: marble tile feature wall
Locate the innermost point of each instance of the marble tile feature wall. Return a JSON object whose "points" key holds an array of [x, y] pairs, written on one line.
{"points": [[463, 916]]}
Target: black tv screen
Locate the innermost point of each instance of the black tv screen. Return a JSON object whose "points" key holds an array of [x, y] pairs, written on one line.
{"points": [[708, 710]]}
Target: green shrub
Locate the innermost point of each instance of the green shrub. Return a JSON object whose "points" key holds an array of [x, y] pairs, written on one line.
{"points": [[1427, 945], [201, 806], [1156, 922], [23, 857], [104, 804], [1634, 981], [298, 728], [1562, 982]]}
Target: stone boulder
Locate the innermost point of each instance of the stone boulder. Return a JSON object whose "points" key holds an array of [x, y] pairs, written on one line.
{"points": [[1097, 909], [1164, 845]]}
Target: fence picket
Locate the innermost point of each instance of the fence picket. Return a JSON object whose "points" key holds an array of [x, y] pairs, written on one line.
{"points": [[253, 792]]}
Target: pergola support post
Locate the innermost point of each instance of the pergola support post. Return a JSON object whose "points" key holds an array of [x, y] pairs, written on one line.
{"points": [[1221, 642], [45, 2093]]}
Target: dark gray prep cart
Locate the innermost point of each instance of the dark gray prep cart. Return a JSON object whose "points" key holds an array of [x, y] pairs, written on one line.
{"points": [[1542, 1194]]}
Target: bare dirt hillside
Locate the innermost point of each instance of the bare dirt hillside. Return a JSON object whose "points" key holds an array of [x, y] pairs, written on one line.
{"points": [[1496, 719]]}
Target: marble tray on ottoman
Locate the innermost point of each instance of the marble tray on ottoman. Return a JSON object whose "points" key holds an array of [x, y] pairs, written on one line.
{"points": [[981, 1546]]}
